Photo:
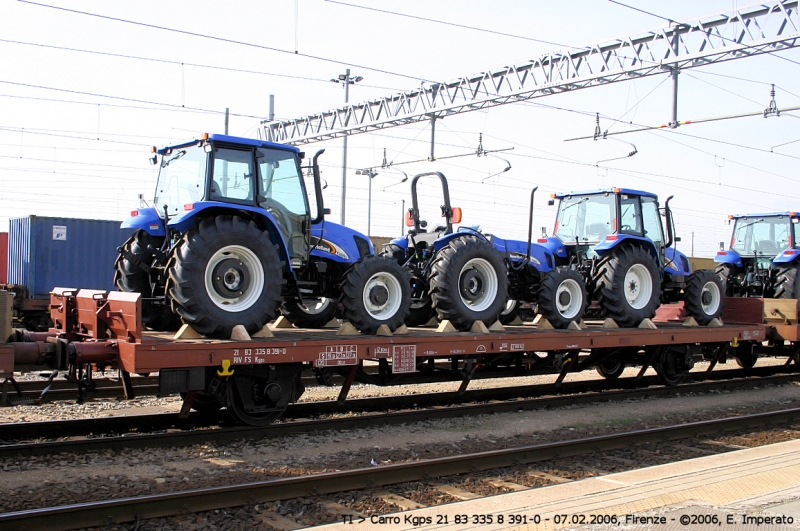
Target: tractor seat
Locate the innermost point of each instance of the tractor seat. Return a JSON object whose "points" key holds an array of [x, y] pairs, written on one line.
{"points": [[597, 229]]}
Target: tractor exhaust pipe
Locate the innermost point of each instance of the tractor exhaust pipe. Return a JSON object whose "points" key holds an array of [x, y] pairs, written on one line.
{"points": [[670, 228], [530, 227]]}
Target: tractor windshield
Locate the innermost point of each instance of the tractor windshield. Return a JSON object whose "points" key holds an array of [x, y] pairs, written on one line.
{"points": [[766, 236], [181, 179], [587, 218]]}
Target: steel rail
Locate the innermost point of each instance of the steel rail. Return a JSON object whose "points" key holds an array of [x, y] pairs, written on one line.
{"points": [[160, 505], [192, 437], [164, 421]]}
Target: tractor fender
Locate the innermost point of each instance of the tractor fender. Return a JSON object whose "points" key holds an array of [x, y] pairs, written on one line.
{"points": [[400, 242], [517, 251], [203, 209], [460, 233], [339, 243], [677, 263], [787, 256], [729, 257], [148, 220]]}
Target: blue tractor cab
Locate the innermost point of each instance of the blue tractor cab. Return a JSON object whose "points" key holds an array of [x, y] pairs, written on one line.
{"points": [[762, 259], [230, 238]]}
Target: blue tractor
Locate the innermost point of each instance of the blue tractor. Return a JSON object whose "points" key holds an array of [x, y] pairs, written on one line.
{"points": [[609, 255], [455, 274], [231, 238], [762, 260]]}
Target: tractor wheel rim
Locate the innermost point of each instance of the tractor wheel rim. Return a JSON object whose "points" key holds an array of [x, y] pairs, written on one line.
{"points": [[478, 284], [510, 305], [571, 307], [382, 296], [234, 278], [638, 286], [315, 306], [712, 294]]}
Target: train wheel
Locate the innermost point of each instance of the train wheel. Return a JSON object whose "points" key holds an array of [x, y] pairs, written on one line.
{"points": [[315, 314], [628, 286], [672, 367], [704, 296], [469, 282], [129, 277], [610, 369], [376, 291], [225, 272], [259, 395]]}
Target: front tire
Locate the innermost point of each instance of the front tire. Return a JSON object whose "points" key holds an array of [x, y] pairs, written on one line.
{"points": [[703, 298], [787, 282], [510, 311], [627, 285], [131, 278], [224, 272], [376, 291], [562, 297], [315, 314], [468, 282]]}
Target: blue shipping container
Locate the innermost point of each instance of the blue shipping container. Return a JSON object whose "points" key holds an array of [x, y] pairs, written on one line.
{"points": [[44, 253]]}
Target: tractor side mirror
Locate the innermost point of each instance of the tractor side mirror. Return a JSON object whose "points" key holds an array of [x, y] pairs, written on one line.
{"points": [[153, 160], [551, 202], [677, 239], [455, 217], [326, 211]]}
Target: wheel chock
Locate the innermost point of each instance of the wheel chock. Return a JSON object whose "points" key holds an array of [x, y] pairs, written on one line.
{"points": [[446, 326], [648, 324], [610, 323], [690, 321], [573, 326], [432, 322], [333, 323], [283, 322], [479, 327], [517, 321], [543, 324], [497, 326], [187, 332], [264, 332], [582, 324], [347, 329], [401, 330], [383, 330], [716, 322], [239, 333]]}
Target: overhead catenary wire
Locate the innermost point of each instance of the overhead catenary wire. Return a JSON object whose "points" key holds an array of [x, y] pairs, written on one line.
{"points": [[222, 39]]}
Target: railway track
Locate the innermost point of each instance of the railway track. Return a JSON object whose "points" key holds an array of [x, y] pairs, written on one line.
{"points": [[196, 500], [587, 392]]}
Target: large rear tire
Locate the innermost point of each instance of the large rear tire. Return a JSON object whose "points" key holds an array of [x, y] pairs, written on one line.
{"points": [[627, 285], [316, 313], [224, 272], [787, 282], [468, 282], [562, 297], [131, 278], [376, 291], [726, 273], [703, 297]]}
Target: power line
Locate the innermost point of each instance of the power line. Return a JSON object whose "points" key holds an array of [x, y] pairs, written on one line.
{"points": [[415, 17], [221, 39], [134, 100], [181, 63]]}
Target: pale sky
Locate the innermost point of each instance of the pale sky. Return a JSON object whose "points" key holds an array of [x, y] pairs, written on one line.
{"points": [[76, 124]]}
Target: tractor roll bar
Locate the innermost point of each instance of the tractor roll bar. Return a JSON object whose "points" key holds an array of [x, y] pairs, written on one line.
{"points": [[447, 211]]}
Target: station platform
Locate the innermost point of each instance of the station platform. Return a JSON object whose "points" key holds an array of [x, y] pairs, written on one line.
{"points": [[751, 489]]}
